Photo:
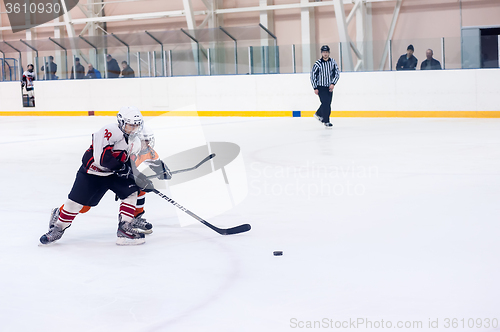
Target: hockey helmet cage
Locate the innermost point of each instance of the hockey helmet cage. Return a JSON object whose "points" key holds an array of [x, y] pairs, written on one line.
{"points": [[147, 135]]}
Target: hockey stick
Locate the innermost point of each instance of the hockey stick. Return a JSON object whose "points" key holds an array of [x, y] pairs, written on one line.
{"points": [[222, 231], [186, 169]]}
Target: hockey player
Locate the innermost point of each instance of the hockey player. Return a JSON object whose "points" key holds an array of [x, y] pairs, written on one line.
{"points": [[106, 165], [27, 82], [149, 157]]}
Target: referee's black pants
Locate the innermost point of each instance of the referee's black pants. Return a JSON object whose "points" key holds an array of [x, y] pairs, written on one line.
{"points": [[325, 96]]}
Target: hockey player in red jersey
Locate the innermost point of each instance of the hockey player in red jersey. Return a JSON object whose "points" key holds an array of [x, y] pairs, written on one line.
{"points": [[106, 165]]}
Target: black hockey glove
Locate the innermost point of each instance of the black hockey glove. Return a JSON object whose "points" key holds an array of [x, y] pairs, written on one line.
{"points": [[125, 171], [161, 169], [144, 183]]}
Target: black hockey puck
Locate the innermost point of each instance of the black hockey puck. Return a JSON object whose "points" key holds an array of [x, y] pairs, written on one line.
{"points": [[278, 253]]}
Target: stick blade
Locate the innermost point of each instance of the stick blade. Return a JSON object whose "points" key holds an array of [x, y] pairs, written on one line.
{"points": [[237, 229]]}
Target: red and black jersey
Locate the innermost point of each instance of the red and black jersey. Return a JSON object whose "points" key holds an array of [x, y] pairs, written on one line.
{"points": [[110, 149]]}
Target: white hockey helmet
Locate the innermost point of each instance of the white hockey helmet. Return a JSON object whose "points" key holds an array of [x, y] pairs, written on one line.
{"points": [[147, 135], [130, 115]]}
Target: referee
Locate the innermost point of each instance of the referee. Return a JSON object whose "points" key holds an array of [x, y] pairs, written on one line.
{"points": [[324, 76]]}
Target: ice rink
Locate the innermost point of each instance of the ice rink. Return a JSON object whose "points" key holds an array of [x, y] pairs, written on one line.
{"points": [[393, 220]]}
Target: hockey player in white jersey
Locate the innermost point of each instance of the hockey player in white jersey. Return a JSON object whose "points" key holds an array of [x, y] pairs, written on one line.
{"points": [[27, 83], [106, 165]]}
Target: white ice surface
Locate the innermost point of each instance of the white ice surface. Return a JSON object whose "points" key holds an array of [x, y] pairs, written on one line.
{"points": [[393, 219]]}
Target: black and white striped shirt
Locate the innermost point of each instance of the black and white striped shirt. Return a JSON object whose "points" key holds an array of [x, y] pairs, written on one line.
{"points": [[324, 73]]}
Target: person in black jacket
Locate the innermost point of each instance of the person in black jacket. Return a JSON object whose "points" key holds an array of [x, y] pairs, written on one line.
{"points": [[407, 61], [80, 70], [113, 67], [51, 69], [430, 63], [127, 72]]}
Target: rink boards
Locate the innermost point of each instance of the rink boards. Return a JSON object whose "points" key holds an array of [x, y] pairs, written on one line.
{"points": [[449, 93]]}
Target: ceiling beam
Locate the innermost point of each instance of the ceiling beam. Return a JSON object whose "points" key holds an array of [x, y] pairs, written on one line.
{"points": [[308, 36], [188, 10], [289, 6], [395, 16], [182, 13], [67, 20], [353, 11], [343, 35], [83, 10]]}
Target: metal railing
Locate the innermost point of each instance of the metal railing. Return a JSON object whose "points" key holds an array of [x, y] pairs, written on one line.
{"points": [[218, 51]]}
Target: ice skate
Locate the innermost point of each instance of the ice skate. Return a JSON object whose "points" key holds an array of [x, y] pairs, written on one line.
{"points": [[328, 125], [141, 225], [54, 216], [127, 235], [54, 234], [319, 118]]}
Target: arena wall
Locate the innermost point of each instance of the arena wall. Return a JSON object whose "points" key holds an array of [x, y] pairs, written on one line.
{"points": [[450, 93]]}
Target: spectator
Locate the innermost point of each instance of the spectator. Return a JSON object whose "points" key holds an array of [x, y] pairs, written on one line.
{"points": [[92, 72], [407, 61], [127, 72], [80, 70], [113, 67], [430, 63], [51, 69]]}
